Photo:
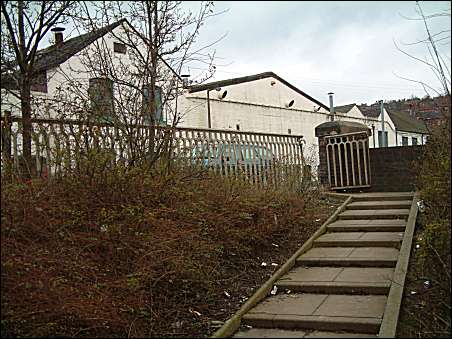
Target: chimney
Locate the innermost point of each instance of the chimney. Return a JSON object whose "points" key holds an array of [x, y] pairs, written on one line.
{"points": [[185, 79], [412, 111], [331, 105], [58, 35]]}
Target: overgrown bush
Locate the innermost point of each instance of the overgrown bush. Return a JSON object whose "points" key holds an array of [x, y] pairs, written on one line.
{"points": [[110, 251], [432, 260]]}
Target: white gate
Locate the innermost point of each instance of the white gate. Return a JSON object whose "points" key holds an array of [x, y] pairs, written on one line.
{"points": [[348, 160]]}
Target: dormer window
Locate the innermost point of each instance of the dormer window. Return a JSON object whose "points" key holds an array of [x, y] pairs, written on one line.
{"points": [[119, 48]]}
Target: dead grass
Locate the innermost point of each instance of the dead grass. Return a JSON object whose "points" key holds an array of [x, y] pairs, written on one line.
{"points": [[138, 255]]}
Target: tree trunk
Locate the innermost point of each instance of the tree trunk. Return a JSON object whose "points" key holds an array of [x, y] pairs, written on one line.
{"points": [[25, 103]]}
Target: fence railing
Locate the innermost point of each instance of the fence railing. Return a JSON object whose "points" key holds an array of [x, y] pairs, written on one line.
{"points": [[58, 145]]}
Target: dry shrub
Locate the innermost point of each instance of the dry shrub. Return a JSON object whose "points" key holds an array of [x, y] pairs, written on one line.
{"points": [[427, 313], [111, 251]]}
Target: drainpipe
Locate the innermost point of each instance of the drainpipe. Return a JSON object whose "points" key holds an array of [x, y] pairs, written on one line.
{"points": [[331, 105], [373, 135], [395, 129], [382, 110]]}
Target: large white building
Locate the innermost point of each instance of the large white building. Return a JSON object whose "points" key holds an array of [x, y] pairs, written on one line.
{"points": [[267, 103]]}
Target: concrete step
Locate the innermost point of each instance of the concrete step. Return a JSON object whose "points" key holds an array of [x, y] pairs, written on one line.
{"points": [[374, 214], [379, 205], [322, 312], [336, 287], [282, 333], [359, 239], [349, 257], [382, 196], [336, 280], [368, 225]]}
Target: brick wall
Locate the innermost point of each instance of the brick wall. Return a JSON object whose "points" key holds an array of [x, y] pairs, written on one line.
{"points": [[392, 168]]}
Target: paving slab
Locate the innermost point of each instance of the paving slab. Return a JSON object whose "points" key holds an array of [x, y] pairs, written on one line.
{"points": [[366, 325], [359, 306], [374, 214], [280, 333], [360, 239], [382, 196], [323, 252], [396, 236], [323, 280], [343, 274], [375, 252], [322, 312], [376, 222], [312, 274], [365, 274], [368, 225], [345, 256], [269, 333], [300, 304], [391, 204], [324, 334]]}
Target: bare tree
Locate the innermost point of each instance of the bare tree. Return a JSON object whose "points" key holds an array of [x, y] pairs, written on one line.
{"points": [[24, 25], [435, 60], [159, 38]]}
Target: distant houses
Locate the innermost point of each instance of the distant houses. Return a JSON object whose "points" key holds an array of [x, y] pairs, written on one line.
{"points": [[401, 129]]}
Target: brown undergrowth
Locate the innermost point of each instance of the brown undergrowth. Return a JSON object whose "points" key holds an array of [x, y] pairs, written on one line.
{"points": [[129, 254], [426, 307]]}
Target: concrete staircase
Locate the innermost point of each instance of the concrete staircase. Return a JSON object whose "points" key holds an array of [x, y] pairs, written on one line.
{"points": [[339, 288]]}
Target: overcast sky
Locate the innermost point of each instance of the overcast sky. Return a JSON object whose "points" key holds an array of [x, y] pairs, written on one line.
{"points": [[343, 47]]}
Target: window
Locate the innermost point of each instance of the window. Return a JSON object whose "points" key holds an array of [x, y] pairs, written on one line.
{"points": [[404, 141], [39, 82], [237, 127], [289, 131], [413, 141], [119, 48], [158, 105], [380, 141], [101, 97]]}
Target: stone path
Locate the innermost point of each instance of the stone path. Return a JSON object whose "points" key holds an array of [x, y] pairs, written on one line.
{"points": [[339, 288]]}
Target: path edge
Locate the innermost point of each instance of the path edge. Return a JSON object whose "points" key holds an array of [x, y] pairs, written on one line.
{"points": [[388, 328]]}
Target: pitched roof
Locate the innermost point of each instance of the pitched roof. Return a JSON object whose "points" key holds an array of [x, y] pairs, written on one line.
{"points": [[53, 56], [344, 108], [248, 78], [404, 122], [372, 111]]}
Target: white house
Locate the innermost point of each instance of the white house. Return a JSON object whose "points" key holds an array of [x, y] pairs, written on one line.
{"points": [[80, 70], [400, 128]]}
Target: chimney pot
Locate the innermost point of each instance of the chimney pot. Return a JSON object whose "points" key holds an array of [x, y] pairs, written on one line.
{"points": [[58, 35]]}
